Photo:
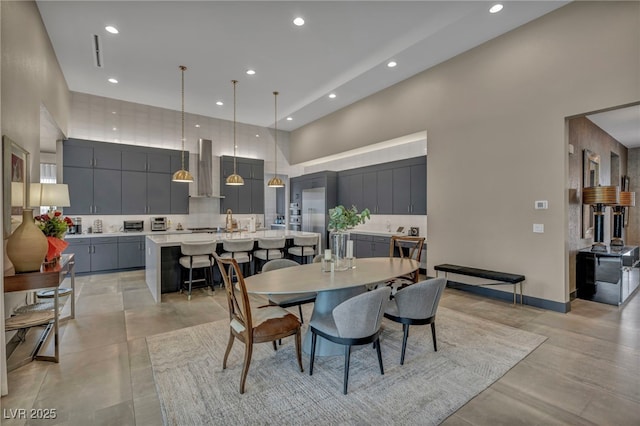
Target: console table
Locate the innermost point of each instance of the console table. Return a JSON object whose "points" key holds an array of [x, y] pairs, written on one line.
{"points": [[608, 277], [49, 277]]}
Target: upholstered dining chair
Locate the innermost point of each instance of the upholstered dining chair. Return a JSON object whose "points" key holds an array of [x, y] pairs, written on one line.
{"points": [[355, 321], [288, 300], [197, 255], [253, 325], [405, 247], [416, 305], [269, 248]]}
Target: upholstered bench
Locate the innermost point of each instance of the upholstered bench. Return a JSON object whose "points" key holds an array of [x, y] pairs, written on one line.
{"points": [[499, 277]]}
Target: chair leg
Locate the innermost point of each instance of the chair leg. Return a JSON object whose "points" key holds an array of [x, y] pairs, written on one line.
{"points": [[190, 283], [379, 356], [275, 347], [433, 334], [298, 349], [212, 285], [228, 351], [314, 336], [405, 337], [248, 350], [347, 358], [300, 310]]}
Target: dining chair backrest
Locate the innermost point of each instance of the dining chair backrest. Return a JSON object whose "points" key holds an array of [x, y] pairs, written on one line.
{"points": [[408, 247], [271, 242], [274, 264], [420, 300], [361, 315], [198, 248], [237, 297]]}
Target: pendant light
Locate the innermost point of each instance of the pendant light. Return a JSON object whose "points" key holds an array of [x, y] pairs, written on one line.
{"points": [[275, 182], [182, 175], [235, 178]]}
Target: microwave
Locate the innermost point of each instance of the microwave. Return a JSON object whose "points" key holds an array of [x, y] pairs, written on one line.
{"points": [[158, 223], [133, 226]]}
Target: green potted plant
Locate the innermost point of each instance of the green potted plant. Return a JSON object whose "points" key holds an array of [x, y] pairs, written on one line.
{"points": [[341, 220]]}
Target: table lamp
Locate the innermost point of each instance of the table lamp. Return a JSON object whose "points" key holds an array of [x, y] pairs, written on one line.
{"points": [[599, 197], [49, 194], [627, 199]]}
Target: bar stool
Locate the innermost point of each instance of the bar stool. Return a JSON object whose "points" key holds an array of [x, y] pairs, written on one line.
{"points": [[240, 250], [303, 247], [268, 249], [197, 255]]}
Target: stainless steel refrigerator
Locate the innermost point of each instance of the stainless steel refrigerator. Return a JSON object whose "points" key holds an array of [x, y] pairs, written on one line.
{"points": [[314, 211]]}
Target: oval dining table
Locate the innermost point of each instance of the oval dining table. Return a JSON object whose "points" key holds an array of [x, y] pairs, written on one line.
{"points": [[332, 288]]}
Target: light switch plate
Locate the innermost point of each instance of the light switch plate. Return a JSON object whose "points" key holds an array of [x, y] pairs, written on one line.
{"points": [[538, 228], [542, 205]]}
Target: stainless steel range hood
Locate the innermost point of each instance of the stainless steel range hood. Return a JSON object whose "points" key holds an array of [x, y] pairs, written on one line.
{"points": [[204, 180]]}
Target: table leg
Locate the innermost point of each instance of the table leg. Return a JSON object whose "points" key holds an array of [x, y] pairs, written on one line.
{"points": [[325, 302]]}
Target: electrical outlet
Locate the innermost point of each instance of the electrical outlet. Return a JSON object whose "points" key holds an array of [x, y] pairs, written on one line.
{"points": [[538, 228]]}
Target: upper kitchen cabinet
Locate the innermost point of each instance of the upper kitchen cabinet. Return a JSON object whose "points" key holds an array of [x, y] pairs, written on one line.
{"points": [[247, 198], [410, 187], [84, 153], [141, 184]]}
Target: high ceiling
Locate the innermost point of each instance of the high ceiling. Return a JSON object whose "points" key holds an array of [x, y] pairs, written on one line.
{"points": [[622, 124], [342, 48]]}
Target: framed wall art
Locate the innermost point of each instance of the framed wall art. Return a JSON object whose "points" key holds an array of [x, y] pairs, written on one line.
{"points": [[15, 181]]}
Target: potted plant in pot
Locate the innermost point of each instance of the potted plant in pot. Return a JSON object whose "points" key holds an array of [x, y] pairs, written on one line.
{"points": [[341, 220]]}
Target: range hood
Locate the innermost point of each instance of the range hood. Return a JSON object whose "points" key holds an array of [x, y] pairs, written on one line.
{"points": [[204, 180]]}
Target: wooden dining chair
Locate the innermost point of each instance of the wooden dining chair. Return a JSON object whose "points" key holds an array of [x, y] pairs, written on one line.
{"points": [[405, 247], [416, 305], [253, 325], [355, 321]]}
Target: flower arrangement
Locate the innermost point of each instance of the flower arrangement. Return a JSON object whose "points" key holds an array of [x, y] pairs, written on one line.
{"points": [[341, 218], [54, 227]]}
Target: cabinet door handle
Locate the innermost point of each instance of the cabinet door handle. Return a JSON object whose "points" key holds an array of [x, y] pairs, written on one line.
{"points": [[89, 249], [409, 208], [95, 162]]}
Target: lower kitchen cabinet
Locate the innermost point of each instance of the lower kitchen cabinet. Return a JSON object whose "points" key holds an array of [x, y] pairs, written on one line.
{"points": [[130, 252], [370, 245], [81, 247]]}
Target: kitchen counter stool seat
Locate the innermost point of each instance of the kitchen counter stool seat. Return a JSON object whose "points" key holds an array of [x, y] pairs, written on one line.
{"points": [[303, 247], [241, 250], [197, 256], [268, 249]]}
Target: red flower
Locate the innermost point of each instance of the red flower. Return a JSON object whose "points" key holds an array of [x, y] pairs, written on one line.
{"points": [[57, 213]]}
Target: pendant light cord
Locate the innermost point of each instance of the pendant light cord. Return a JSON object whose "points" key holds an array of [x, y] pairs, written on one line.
{"points": [[275, 148], [234, 125], [182, 68]]}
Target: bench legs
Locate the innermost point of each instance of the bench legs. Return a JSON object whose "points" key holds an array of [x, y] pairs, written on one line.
{"points": [[515, 289]]}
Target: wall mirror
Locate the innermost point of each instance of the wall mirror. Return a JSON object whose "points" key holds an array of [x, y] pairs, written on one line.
{"points": [[590, 177]]}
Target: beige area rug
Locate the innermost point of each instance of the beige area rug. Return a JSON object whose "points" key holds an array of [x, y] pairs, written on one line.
{"points": [[472, 354]]}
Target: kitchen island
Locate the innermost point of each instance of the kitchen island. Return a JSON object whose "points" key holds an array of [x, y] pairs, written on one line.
{"points": [[162, 271]]}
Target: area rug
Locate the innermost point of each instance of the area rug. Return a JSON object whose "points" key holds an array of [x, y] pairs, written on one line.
{"points": [[472, 354]]}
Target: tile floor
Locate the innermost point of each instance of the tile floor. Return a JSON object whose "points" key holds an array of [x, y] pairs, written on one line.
{"points": [[587, 372]]}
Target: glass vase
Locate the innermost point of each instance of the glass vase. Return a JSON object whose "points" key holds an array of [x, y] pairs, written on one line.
{"points": [[338, 241]]}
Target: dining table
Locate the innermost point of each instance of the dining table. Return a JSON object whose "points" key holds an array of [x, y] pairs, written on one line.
{"points": [[332, 288]]}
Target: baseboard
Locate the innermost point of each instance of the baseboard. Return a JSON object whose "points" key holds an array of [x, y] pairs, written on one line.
{"points": [[508, 296]]}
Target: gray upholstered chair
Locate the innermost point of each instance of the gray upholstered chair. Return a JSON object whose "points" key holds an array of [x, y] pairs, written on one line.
{"points": [[303, 247], [292, 299], [239, 249], [253, 325], [268, 249], [355, 321], [197, 255], [416, 305]]}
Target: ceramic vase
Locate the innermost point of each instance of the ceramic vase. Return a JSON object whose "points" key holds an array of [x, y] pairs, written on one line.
{"points": [[27, 246]]}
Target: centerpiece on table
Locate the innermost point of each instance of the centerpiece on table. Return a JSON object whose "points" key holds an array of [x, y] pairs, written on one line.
{"points": [[341, 220], [54, 227]]}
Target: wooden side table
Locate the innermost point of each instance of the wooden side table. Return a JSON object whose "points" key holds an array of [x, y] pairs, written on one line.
{"points": [[49, 277]]}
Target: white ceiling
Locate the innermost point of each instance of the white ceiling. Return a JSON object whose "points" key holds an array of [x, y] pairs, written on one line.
{"points": [[621, 124], [343, 48]]}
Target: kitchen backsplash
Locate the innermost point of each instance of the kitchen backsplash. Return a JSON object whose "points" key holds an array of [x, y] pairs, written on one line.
{"points": [[390, 223]]}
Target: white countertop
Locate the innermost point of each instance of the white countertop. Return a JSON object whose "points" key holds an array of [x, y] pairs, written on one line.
{"points": [[376, 232], [126, 234], [167, 240]]}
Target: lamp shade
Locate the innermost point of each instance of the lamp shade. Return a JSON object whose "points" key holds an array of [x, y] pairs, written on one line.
{"points": [[601, 195], [627, 199], [234, 180], [275, 182], [49, 194]]}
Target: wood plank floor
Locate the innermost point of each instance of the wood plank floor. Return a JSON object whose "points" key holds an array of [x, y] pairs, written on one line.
{"points": [[587, 372]]}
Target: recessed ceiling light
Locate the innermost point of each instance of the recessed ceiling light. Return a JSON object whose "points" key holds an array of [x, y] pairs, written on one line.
{"points": [[298, 21], [113, 80], [496, 8], [289, 118], [197, 125], [251, 72], [111, 29], [257, 136], [113, 112], [114, 129], [391, 64], [219, 103], [332, 95]]}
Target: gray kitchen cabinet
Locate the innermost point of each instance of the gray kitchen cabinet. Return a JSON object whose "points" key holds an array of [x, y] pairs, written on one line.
{"points": [[80, 182], [134, 192], [93, 191], [139, 159], [355, 191], [295, 195], [247, 198], [84, 153], [104, 254], [179, 198], [384, 192], [402, 191], [257, 196], [159, 162], [135, 161], [107, 191], [418, 189], [231, 198], [370, 245], [370, 191], [158, 193], [81, 247], [130, 252], [344, 193]]}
